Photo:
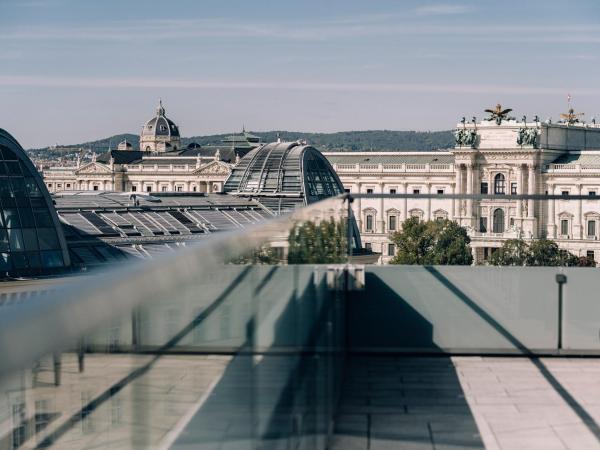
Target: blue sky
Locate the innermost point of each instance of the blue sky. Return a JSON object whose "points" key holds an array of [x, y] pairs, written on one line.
{"points": [[76, 70]]}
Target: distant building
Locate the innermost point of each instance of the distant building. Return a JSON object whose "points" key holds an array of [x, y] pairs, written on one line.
{"points": [[496, 156], [160, 164]]}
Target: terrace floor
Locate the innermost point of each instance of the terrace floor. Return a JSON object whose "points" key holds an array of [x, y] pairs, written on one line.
{"points": [[473, 402]]}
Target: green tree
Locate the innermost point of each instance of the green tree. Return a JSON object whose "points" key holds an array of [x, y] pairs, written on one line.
{"points": [[432, 242], [513, 252], [323, 243]]}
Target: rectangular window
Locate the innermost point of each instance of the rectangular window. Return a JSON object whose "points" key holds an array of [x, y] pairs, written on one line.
{"points": [[148, 188], [347, 191], [590, 255], [483, 224], [564, 193], [591, 228], [416, 191], [592, 193], [484, 188], [95, 187], [368, 246], [163, 189], [564, 227], [513, 188], [369, 223], [511, 221], [391, 249], [440, 191], [133, 188], [179, 188], [392, 223], [392, 191], [369, 191], [68, 186]]}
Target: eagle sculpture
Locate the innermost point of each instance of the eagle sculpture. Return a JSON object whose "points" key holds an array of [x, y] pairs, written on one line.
{"points": [[498, 114], [571, 117]]}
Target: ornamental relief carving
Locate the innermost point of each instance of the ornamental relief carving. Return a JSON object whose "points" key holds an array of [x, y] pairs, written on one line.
{"points": [[93, 168], [213, 169]]}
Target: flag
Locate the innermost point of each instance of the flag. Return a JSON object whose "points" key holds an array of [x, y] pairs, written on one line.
{"points": [[569, 98]]}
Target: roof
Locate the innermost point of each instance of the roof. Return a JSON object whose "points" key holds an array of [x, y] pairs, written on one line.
{"points": [[160, 125], [588, 157], [107, 227], [121, 156], [390, 158]]}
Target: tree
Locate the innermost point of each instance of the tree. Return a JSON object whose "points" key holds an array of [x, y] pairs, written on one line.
{"points": [[323, 243], [432, 242], [541, 252], [513, 252]]}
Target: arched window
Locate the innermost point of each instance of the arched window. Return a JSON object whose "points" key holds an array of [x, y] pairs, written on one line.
{"points": [[498, 221], [499, 184]]}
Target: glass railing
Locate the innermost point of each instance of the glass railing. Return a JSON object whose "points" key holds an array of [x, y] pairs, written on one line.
{"points": [[221, 345]]}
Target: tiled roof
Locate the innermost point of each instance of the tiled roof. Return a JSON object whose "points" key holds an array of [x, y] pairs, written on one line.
{"points": [[578, 158]]}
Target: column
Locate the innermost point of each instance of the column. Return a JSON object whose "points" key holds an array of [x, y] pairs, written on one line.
{"points": [[552, 214], [577, 234], [358, 211], [428, 207], [469, 189], [453, 191], [404, 203], [458, 190], [381, 224], [519, 192], [531, 191]]}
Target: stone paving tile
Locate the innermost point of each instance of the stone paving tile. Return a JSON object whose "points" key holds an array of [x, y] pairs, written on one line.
{"points": [[499, 402]]}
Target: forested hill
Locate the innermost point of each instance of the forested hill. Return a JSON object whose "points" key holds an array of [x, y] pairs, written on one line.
{"points": [[375, 140]]}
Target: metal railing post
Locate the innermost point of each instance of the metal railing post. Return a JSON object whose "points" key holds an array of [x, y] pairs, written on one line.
{"points": [[561, 279]]}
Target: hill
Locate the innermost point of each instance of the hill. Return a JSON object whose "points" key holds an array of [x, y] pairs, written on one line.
{"points": [[373, 140]]}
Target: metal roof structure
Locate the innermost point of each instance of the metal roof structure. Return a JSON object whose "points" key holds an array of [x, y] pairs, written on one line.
{"points": [[107, 227], [283, 175]]}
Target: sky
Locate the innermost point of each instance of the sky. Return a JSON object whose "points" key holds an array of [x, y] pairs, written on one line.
{"points": [[78, 70]]}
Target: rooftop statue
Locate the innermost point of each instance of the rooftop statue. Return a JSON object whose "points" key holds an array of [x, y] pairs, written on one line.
{"points": [[498, 114], [571, 117]]}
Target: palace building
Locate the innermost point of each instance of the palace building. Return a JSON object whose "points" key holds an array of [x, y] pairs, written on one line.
{"points": [[160, 165], [499, 155]]}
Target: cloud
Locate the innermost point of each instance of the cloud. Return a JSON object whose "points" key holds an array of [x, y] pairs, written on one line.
{"points": [[153, 83], [442, 9]]}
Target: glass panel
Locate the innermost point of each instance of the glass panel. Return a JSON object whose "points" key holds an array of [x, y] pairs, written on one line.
{"points": [[30, 239], [43, 218], [52, 259], [32, 188], [15, 240], [11, 218], [3, 240], [13, 168], [26, 217], [48, 239]]}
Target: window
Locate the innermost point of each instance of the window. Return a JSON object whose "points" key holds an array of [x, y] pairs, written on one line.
{"points": [[511, 221], [148, 188], [347, 191], [368, 246], [133, 188], [499, 187], [484, 188], [179, 188], [369, 190], [59, 185], [590, 255], [369, 224], [440, 191], [513, 188], [194, 188], [483, 224], [68, 185], [591, 228], [95, 187], [564, 227], [564, 193], [392, 223], [592, 193], [498, 220], [163, 189], [416, 191], [391, 249], [392, 191]]}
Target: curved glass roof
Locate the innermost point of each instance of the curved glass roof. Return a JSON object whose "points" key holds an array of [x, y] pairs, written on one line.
{"points": [[31, 238], [285, 169]]}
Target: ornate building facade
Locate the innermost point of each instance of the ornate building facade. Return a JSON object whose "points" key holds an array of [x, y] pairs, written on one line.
{"points": [[499, 155], [161, 164]]}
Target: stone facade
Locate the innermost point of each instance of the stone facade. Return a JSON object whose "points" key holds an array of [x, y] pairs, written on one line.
{"points": [[512, 156]]}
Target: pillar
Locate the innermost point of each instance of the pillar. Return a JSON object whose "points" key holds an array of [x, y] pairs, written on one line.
{"points": [[404, 203], [469, 189], [458, 190], [381, 224], [519, 192], [531, 191], [428, 207], [552, 214], [577, 234], [358, 211]]}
